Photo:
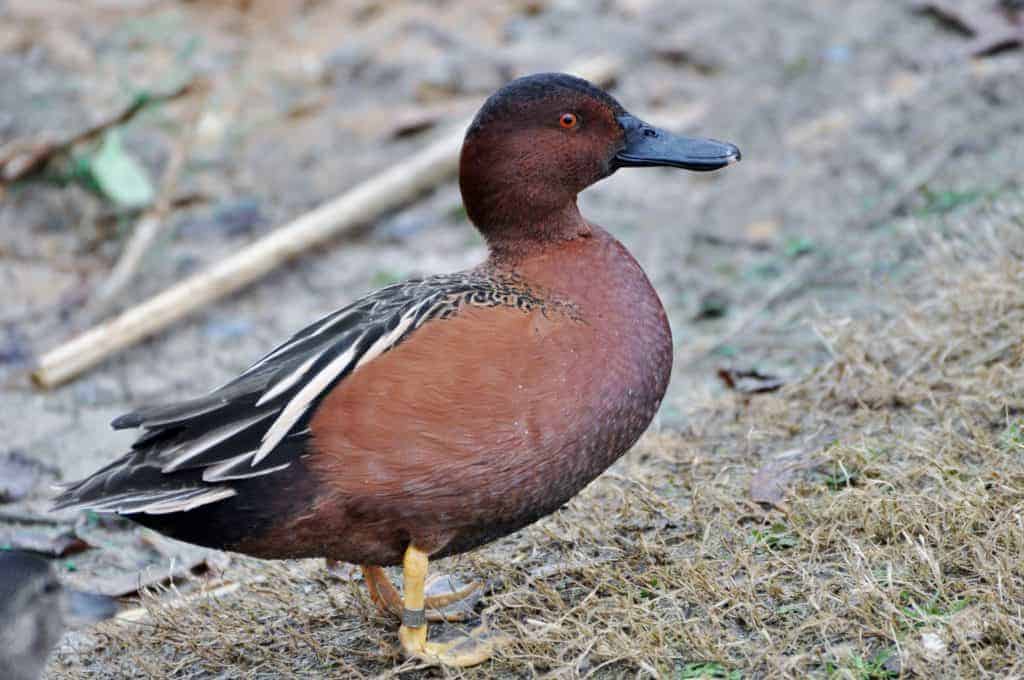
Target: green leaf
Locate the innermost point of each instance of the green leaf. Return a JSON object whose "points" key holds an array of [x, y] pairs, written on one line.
{"points": [[118, 175], [799, 245]]}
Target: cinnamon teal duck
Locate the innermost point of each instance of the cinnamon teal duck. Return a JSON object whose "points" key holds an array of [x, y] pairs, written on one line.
{"points": [[438, 414]]}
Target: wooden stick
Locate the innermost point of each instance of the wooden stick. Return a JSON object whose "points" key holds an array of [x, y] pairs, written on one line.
{"points": [[363, 203]]}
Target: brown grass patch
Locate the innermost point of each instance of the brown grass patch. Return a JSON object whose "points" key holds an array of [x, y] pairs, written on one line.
{"points": [[899, 551]]}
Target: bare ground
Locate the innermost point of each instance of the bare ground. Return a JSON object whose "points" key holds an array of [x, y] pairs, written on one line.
{"points": [[898, 550], [869, 149]]}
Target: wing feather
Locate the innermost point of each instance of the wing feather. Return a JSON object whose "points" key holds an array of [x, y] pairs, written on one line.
{"points": [[190, 449], [303, 399], [289, 380]]}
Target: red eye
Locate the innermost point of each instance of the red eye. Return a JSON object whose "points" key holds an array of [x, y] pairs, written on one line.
{"points": [[568, 120]]}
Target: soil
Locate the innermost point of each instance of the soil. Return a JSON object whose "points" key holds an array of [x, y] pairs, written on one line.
{"points": [[863, 129]]}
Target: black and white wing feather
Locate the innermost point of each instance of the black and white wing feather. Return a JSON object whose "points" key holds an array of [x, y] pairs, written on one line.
{"points": [[191, 453]]}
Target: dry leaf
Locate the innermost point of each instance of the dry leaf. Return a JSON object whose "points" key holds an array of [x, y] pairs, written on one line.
{"points": [[770, 482]]}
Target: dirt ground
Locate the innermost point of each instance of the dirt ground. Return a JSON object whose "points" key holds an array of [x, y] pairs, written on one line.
{"points": [[870, 143]]}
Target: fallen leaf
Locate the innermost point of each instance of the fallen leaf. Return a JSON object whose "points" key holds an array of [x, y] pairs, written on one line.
{"points": [[129, 558], [770, 482], [119, 176], [56, 541]]}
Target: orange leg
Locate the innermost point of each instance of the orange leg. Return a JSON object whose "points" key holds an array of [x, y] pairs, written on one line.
{"points": [[382, 591], [466, 650]]}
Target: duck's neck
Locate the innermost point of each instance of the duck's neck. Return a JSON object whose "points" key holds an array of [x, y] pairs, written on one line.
{"points": [[518, 200], [528, 228]]}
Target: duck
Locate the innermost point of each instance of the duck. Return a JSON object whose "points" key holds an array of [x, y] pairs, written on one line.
{"points": [[35, 610], [435, 415]]}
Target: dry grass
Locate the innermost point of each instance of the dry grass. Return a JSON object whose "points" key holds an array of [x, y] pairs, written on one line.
{"points": [[899, 551]]}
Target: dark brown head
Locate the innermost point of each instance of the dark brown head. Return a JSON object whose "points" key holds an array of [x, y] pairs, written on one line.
{"points": [[540, 140]]}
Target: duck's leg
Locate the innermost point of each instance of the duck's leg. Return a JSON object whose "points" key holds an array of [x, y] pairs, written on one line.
{"points": [[438, 607], [467, 650], [382, 591]]}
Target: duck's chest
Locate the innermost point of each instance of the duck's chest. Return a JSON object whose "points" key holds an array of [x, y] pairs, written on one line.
{"points": [[613, 355]]}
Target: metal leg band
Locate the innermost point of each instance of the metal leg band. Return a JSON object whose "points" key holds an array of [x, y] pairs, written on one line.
{"points": [[414, 618]]}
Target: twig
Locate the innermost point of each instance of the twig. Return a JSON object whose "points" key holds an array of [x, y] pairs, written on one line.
{"points": [[826, 343], [22, 157], [918, 178], [779, 291], [926, 171], [991, 32], [222, 589], [946, 14], [151, 224], [365, 202]]}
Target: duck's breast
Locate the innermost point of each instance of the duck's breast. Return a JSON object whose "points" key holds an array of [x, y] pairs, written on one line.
{"points": [[622, 358]]}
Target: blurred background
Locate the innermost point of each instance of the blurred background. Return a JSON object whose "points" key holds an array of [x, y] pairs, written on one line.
{"points": [[865, 126]]}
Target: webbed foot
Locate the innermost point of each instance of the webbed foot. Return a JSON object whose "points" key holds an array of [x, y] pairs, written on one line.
{"points": [[446, 597]]}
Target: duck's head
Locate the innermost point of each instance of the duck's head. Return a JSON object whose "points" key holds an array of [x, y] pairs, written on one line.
{"points": [[540, 140], [34, 610]]}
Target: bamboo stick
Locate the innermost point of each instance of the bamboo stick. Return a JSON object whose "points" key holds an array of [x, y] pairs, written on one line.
{"points": [[365, 202]]}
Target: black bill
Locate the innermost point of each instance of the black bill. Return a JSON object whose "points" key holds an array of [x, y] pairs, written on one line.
{"points": [[647, 145]]}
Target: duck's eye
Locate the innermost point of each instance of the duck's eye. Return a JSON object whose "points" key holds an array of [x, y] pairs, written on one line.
{"points": [[568, 120]]}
